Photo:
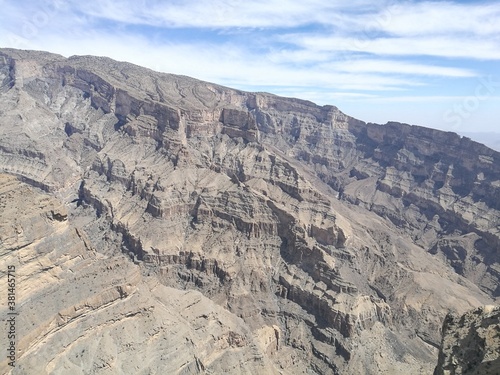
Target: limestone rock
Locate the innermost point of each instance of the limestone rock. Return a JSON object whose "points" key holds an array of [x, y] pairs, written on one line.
{"points": [[195, 228], [80, 311], [471, 343]]}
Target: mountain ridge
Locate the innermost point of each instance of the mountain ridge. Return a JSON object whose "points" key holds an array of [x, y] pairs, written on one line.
{"points": [[314, 231]]}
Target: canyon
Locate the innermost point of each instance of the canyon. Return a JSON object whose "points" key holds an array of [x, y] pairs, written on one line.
{"points": [[162, 224]]}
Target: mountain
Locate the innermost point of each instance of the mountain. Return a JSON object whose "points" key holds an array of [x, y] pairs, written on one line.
{"points": [[492, 140], [161, 224]]}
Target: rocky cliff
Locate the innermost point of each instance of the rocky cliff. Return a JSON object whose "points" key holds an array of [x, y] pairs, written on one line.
{"points": [[221, 231], [471, 343]]}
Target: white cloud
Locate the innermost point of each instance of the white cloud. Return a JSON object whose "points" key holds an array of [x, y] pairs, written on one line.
{"points": [[435, 18], [458, 47], [400, 19], [399, 67], [426, 98], [353, 65], [222, 13], [225, 64]]}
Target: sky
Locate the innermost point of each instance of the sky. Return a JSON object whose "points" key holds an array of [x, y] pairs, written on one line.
{"points": [[429, 63]]}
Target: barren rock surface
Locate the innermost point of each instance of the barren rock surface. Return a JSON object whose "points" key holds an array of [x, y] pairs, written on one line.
{"points": [[471, 343], [161, 224]]}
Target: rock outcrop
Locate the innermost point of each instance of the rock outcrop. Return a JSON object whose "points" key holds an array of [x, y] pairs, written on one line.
{"points": [[313, 242], [471, 343], [80, 311]]}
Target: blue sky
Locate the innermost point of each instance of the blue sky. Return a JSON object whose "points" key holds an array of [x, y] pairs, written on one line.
{"points": [[434, 64]]}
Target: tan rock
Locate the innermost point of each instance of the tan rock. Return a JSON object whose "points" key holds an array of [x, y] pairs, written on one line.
{"points": [[216, 230]]}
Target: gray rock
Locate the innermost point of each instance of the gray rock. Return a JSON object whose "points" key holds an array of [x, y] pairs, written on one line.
{"points": [[471, 343], [268, 234]]}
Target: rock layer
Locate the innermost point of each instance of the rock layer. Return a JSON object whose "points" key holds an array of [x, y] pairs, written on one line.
{"points": [[320, 244]]}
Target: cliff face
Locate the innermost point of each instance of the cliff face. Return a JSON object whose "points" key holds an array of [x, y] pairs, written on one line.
{"points": [[471, 343], [316, 242]]}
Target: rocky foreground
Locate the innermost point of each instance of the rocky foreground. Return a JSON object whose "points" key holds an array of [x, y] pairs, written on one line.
{"points": [[471, 343], [161, 224]]}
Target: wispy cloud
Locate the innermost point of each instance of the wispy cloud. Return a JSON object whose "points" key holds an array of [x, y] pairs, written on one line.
{"points": [[393, 67], [438, 46], [227, 64], [223, 13], [443, 18]]}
